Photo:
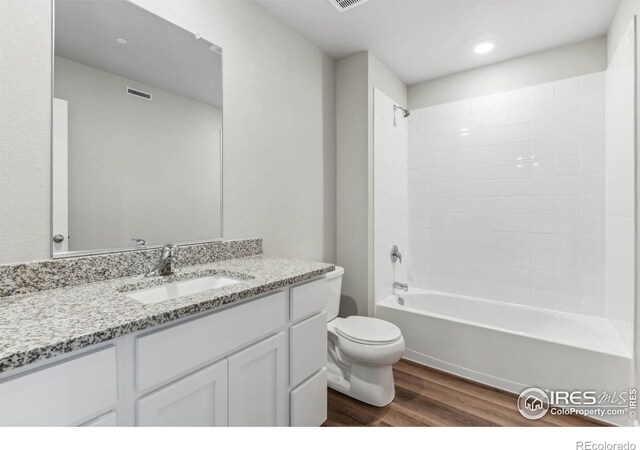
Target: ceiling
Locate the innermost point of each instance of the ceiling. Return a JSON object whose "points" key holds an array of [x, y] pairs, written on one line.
{"points": [[425, 39], [158, 53]]}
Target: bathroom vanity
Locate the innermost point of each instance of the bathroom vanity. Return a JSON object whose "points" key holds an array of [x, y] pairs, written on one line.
{"points": [[232, 337], [252, 353]]}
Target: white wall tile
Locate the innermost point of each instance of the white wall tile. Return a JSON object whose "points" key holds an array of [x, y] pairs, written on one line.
{"points": [[567, 146], [591, 124], [507, 198], [568, 88], [593, 83], [592, 144], [543, 93], [592, 104], [568, 127], [567, 107]]}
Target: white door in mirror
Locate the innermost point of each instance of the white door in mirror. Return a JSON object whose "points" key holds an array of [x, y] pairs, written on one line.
{"points": [[170, 291]]}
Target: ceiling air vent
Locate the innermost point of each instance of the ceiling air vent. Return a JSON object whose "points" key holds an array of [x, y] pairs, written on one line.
{"points": [[343, 5], [138, 93]]}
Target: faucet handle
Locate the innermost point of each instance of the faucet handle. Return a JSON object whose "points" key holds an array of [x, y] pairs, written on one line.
{"points": [[395, 254], [169, 251]]}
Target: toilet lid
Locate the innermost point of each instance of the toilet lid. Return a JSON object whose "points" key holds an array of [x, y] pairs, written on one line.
{"points": [[368, 330]]}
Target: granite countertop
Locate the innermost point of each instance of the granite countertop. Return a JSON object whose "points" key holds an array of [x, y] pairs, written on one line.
{"points": [[44, 324]]}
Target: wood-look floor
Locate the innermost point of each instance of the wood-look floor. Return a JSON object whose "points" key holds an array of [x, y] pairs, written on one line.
{"points": [[428, 397]]}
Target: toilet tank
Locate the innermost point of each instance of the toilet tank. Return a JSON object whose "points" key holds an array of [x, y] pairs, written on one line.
{"points": [[334, 280]]}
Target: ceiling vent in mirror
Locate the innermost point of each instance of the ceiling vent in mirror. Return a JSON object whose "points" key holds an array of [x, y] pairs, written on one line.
{"points": [[138, 93], [343, 5]]}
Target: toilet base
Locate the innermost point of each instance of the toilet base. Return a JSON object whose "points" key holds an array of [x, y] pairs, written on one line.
{"points": [[372, 385]]}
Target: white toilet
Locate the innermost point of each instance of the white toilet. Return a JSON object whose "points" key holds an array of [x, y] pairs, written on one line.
{"points": [[361, 351]]}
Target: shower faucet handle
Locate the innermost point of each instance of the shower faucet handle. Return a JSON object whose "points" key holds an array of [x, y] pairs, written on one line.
{"points": [[395, 254]]}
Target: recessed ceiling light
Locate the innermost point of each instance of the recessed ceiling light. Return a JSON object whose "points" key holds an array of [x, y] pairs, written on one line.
{"points": [[122, 41], [484, 47]]}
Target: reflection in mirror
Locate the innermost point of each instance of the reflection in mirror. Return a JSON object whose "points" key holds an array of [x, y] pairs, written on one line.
{"points": [[137, 130]]}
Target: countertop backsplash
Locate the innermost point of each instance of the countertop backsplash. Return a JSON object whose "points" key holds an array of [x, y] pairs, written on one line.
{"points": [[23, 278]]}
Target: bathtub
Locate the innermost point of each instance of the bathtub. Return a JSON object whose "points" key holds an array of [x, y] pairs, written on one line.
{"points": [[508, 346]]}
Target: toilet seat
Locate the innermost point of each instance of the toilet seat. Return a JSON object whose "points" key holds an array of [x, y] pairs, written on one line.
{"points": [[368, 330]]}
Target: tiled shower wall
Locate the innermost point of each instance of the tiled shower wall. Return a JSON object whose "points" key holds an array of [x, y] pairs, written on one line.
{"points": [[506, 196], [390, 193]]}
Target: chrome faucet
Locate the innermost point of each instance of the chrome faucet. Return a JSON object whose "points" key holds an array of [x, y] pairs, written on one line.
{"points": [[166, 265], [401, 286], [395, 254]]}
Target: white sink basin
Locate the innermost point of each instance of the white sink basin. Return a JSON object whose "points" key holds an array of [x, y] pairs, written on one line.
{"points": [[170, 291]]}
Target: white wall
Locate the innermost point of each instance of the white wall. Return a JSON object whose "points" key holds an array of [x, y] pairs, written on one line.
{"points": [[138, 168], [538, 68], [506, 196], [383, 79], [352, 183], [279, 127], [623, 16], [620, 187], [390, 194], [25, 130], [357, 76]]}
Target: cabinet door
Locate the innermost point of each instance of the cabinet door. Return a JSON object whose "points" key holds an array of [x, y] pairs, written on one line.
{"points": [[194, 401], [257, 384]]}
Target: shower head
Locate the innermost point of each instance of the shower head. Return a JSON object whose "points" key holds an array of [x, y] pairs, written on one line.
{"points": [[405, 112]]}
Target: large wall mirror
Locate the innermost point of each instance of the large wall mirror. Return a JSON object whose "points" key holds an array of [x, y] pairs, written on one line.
{"points": [[137, 130]]}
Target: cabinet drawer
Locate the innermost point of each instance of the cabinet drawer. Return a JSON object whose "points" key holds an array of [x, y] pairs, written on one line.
{"points": [[173, 351], [308, 298], [199, 400], [62, 394], [309, 401], [308, 344], [109, 419]]}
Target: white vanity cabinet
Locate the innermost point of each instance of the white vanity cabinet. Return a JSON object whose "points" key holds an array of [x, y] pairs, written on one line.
{"points": [[71, 392], [174, 350], [197, 400], [258, 363]]}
